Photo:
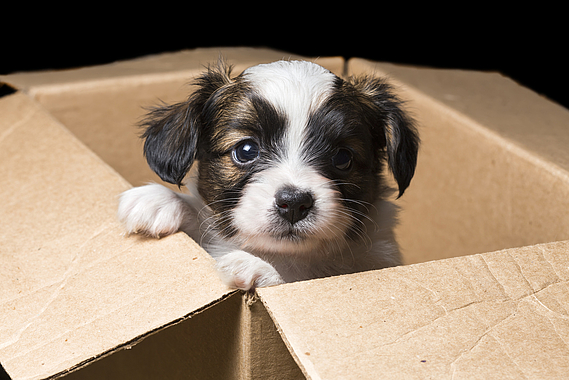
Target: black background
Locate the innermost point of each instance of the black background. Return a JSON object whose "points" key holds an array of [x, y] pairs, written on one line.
{"points": [[529, 46]]}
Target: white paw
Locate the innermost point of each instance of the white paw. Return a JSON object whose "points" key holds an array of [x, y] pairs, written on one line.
{"points": [[152, 210], [241, 270]]}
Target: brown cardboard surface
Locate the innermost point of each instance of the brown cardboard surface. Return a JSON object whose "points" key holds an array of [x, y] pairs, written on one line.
{"points": [[501, 315], [204, 346], [265, 355], [75, 294], [148, 69], [73, 287], [493, 169]]}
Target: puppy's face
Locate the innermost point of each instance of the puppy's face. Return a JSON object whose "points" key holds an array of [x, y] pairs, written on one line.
{"points": [[290, 156]]}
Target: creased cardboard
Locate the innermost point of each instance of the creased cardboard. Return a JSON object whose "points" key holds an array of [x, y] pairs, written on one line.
{"points": [[202, 346], [73, 287], [80, 300], [501, 315]]}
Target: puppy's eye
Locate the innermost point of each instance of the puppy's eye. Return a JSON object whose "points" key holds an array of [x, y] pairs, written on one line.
{"points": [[246, 152], [342, 160]]}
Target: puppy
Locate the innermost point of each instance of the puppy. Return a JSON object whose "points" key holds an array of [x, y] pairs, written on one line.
{"points": [[284, 165]]}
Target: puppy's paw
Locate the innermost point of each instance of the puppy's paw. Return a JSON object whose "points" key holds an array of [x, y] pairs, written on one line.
{"points": [[153, 210], [241, 270]]}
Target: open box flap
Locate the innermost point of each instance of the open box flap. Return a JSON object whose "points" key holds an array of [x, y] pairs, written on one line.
{"points": [[179, 66], [73, 286], [501, 315]]}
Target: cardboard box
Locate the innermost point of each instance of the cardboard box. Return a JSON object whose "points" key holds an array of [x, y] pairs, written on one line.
{"points": [[80, 300]]}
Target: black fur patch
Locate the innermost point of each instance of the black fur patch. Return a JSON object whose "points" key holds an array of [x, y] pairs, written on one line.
{"points": [[392, 129], [364, 117], [172, 131], [232, 120]]}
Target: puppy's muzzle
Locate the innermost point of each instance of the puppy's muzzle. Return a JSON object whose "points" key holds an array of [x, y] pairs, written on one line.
{"points": [[293, 204]]}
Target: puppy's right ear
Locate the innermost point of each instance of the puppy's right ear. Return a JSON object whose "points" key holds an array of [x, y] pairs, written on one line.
{"points": [[173, 132], [171, 138]]}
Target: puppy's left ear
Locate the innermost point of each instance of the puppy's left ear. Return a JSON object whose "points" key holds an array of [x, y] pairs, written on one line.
{"points": [[394, 130]]}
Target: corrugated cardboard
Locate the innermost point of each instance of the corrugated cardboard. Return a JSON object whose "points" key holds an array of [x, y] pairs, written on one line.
{"points": [[502, 315], [77, 295], [73, 287]]}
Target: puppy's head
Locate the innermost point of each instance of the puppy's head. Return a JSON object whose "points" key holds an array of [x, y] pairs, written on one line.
{"points": [[290, 155]]}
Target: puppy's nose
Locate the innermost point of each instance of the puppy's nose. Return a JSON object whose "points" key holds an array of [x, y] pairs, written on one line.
{"points": [[293, 204]]}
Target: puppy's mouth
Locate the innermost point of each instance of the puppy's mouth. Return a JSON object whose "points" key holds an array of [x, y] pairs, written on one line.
{"points": [[289, 220], [279, 236], [290, 234]]}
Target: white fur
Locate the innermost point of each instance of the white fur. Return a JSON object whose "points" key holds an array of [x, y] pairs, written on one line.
{"points": [[241, 270], [293, 87], [153, 210], [156, 211], [259, 203]]}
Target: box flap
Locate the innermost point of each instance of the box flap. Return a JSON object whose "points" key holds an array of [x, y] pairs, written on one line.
{"points": [[72, 285], [501, 315], [179, 66]]}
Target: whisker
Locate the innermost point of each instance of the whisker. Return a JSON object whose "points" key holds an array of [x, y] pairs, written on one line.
{"points": [[215, 218], [340, 248], [360, 232], [361, 203], [212, 230], [364, 215], [220, 201]]}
